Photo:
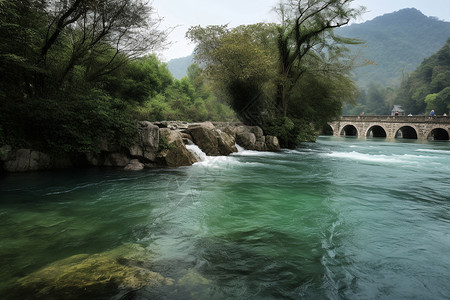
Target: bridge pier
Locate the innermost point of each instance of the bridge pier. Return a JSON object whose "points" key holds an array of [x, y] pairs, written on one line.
{"points": [[392, 127]]}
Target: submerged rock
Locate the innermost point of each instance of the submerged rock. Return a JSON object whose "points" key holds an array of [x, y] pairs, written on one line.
{"points": [[90, 276], [193, 278]]}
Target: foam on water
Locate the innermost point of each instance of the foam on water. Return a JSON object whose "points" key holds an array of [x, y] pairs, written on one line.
{"points": [[381, 158], [197, 152], [364, 157], [434, 151]]}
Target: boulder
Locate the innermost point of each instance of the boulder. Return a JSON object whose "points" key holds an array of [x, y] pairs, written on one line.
{"points": [[173, 125], [252, 138], [210, 140], [90, 276], [272, 143], [94, 159], [148, 142], [134, 165], [173, 152], [226, 143], [204, 135], [246, 139]]}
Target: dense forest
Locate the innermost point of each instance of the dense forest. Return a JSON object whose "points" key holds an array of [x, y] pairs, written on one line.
{"points": [[428, 88], [75, 72], [389, 53]]}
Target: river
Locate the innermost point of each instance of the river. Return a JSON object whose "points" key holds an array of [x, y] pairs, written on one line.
{"points": [[342, 218]]}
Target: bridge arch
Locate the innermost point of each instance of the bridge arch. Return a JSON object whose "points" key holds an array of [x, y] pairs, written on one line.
{"points": [[349, 130], [407, 132], [438, 134], [376, 131], [328, 130]]}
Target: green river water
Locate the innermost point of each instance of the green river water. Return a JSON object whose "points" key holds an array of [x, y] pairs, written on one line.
{"points": [[337, 219]]}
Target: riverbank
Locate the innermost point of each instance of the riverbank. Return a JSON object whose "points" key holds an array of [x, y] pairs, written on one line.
{"points": [[158, 144]]}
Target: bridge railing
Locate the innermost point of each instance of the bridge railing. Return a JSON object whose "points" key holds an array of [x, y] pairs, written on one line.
{"points": [[397, 119]]}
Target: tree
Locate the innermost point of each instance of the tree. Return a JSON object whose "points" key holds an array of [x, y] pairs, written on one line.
{"points": [[65, 37], [56, 57], [426, 87], [439, 102], [260, 69], [306, 28], [240, 62]]}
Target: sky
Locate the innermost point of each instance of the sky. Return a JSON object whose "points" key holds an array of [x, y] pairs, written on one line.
{"points": [[181, 15]]}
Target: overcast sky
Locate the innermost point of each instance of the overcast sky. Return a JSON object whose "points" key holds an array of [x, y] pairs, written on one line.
{"points": [[184, 14]]}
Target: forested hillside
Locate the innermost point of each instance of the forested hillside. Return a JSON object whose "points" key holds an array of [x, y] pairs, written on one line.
{"points": [[395, 44], [428, 87]]}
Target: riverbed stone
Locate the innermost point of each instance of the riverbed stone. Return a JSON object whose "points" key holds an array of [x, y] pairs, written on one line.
{"points": [[90, 276]]}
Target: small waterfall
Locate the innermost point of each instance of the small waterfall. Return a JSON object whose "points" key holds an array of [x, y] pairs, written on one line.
{"points": [[240, 149], [195, 150]]}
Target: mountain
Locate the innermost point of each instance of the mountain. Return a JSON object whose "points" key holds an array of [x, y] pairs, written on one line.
{"points": [[396, 43], [178, 66]]}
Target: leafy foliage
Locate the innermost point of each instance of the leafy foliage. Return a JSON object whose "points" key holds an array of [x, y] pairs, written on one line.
{"points": [[289, 78], [428, 87], [74, 74], [239, 62]]}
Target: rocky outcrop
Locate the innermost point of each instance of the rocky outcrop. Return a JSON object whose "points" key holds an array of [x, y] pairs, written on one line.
{"points": [[25, 160], [173, 151], [211, 140], [148, 142], [157, 144], [250, 137]]}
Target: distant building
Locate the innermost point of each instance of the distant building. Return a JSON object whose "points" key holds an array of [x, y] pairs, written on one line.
{"points": [[399, 110]]}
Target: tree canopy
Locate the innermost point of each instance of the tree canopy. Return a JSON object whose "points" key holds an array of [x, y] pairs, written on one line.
{"points": [[428, 87], [75, 72], [264, 69]]}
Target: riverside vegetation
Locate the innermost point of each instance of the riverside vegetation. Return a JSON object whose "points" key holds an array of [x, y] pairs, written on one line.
{"points": [[76, 73], [383, 80]]}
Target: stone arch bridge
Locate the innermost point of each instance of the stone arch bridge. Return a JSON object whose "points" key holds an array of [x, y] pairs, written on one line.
{"points": [[391, 127]]}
